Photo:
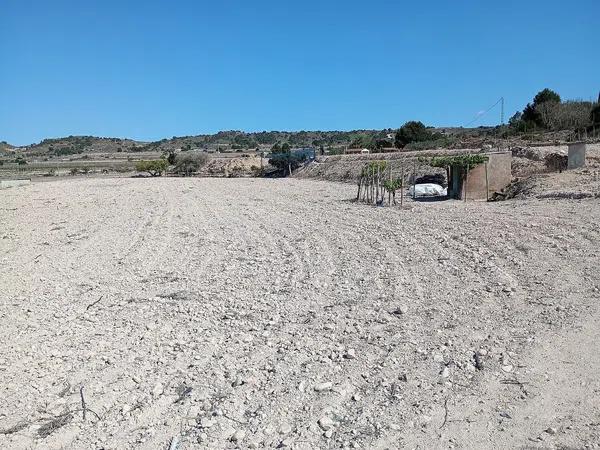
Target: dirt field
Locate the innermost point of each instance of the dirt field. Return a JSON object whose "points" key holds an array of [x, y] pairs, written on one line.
{"points": [[257, 313]]}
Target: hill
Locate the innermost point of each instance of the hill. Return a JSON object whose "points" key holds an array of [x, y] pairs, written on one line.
{"points": [[5, 147], [330, 141], [73, 145]]}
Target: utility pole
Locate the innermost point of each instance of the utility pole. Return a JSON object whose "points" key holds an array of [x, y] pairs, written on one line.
{"points": [[502, 110], [262, 167]]}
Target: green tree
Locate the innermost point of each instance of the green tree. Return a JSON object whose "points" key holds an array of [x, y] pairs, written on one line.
{"points": [[187, 164], [536, 113], [595, 114], [412, 131], [154, 167], [170, 157], [546, 95], [285, 160], [382, 143]]}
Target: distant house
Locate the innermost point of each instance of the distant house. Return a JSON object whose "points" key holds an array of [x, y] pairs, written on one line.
{"points": [[353, 151]]}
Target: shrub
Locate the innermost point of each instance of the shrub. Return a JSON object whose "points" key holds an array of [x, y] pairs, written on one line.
{"points": [[444, 142], [170, 157], [188, 163], [412, 132], [542, 110], [563, 116], [546, 95], [154, 167], [595, 115], [65, 151], [462, 161]]}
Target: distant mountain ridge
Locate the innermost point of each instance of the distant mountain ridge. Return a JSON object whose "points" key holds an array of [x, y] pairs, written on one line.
{"points": [[223, 140]]}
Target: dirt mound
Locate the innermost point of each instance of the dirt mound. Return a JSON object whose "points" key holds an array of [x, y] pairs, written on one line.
{"points": [[232, 167], [575, 184], [556, 162]]}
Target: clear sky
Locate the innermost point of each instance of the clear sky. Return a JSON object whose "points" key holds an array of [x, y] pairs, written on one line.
{"points": [[153, 69]]}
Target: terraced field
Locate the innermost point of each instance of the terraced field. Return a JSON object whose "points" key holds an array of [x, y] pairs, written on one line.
{"points": [[252, 313]]}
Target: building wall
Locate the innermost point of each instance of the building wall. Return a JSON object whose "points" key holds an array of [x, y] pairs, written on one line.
{"points": [[576, 155], [498, 172]]}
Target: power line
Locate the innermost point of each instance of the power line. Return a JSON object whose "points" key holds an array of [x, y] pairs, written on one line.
{"points": [[479, 116]]}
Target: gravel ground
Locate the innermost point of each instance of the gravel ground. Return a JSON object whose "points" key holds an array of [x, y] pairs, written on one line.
{"points": [[224, 313]]}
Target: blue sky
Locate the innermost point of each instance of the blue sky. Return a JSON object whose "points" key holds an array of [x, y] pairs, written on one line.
{"points": [[154, 69]]}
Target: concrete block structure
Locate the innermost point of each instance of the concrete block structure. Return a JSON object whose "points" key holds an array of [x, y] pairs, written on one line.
{"points": [[576, 155], [482, 180]]}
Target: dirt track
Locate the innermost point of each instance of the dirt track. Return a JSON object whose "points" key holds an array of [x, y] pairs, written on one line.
{"points": [[277, 313]]}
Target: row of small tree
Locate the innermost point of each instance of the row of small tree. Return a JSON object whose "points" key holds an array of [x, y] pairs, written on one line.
{"points": [[547, 111], [376, 182]]}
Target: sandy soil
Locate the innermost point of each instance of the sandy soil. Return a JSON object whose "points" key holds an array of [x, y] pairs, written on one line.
{"points": [[251, 313]]}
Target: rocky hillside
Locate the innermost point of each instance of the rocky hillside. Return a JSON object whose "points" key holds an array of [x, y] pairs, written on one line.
{"points": [[331, 142], [6, 148], [73, 145]]}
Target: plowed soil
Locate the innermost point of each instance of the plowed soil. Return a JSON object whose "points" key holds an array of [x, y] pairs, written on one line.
{"points": [[224, 313]]}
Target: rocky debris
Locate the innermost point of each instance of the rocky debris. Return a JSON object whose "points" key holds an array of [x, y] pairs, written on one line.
{"points": [[478, 358], [326, 423], [507, 368], [285, 429], [400, 310], [206, 422], [157, 390], [350, 354], [323, 387], [238, 436]]}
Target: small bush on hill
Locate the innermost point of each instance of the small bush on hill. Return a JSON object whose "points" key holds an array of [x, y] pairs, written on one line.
{"points": [[445, 142], [65, 151]]}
